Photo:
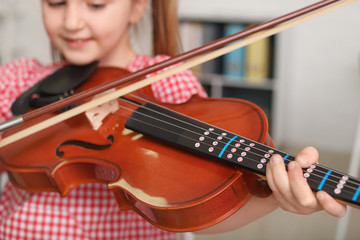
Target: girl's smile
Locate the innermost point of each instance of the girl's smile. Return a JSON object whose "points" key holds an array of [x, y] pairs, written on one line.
{"points": [[76, 28], [77, 42]]}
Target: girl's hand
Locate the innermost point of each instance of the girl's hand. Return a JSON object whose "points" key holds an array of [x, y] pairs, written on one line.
{"points": [[291, 190]]}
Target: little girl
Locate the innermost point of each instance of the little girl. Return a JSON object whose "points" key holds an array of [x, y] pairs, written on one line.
{"points": [[83, 31]]}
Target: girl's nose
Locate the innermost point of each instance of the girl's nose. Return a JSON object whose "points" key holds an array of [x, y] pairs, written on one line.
{"points": [[73, 19]]}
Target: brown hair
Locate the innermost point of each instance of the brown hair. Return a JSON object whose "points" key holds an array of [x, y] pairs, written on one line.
{"points": [[166, 38]]}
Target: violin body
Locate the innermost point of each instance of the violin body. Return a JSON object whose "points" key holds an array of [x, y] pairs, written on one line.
{"points": [[173, 189]]}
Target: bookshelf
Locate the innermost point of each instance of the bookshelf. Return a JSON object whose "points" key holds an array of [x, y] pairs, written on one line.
{"points": [[247, 73]]}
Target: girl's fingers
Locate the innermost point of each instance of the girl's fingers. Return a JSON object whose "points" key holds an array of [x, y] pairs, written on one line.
{"points": [[270, 178], [280, 176], [291, 189], [307, 157], [330, 205], [279, 183], [301, 189]]}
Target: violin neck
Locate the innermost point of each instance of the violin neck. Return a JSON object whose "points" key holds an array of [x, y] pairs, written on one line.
{"points": [[212, 142]]}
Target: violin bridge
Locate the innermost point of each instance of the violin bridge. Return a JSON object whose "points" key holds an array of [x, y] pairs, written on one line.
{"points": [[97, 114]]}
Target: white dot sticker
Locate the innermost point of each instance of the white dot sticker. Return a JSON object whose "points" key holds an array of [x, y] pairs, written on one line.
{"points": [[337, 191]]}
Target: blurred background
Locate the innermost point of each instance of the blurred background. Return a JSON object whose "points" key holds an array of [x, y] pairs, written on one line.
{"points": [[306, 79]]}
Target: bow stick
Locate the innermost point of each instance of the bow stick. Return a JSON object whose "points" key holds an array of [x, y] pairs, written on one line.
{"points": [[247, 37]]}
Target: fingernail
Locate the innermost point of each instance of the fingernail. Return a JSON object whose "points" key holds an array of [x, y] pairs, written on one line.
{"points": [[321, 195], [276, 159], [291, 165]]}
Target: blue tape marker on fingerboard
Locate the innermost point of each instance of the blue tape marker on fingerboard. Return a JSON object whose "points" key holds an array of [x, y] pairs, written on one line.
{"points": [[324, 180], [228, 143]]}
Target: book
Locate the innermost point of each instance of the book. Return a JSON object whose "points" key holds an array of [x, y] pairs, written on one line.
{"points": [[234, 62], [257, 61]]}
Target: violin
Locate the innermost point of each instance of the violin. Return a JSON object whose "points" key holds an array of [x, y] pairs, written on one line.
{"points": [[171, 188], [181, 167]]}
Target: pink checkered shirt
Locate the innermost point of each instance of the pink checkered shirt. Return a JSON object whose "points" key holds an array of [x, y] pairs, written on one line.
{"points": [[90, 210]]}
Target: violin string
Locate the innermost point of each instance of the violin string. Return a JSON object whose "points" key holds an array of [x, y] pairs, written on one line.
{"points": [[248, 158], [286, 161], [345, 187]]}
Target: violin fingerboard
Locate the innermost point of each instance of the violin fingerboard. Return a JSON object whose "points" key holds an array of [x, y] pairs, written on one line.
{"points": [[209, 141]]}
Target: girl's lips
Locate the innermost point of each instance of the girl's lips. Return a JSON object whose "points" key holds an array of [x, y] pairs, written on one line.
{"points": [[77, 43]]}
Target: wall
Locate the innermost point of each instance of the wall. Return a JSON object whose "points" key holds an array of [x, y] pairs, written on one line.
{"points": [[28, 37], [255, 10]]}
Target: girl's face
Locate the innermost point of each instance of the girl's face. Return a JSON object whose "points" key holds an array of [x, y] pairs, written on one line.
{"points": [[88, 30]]}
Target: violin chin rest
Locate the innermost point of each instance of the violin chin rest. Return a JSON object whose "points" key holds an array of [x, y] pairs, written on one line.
{"points": [[55, 85]]}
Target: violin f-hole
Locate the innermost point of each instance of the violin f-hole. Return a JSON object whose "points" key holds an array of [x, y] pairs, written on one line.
{"points": [[84, 144]]}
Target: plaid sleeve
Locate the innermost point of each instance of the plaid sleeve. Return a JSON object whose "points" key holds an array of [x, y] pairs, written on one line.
{"points": [[16, 77], [177, 88]]}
